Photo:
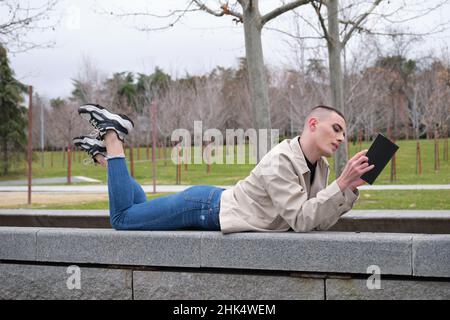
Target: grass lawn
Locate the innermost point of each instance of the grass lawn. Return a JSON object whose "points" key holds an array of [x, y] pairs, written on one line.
{"points": [[229, 174], [378, 199]]}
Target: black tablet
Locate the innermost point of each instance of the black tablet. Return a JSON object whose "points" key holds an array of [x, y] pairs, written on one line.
{"points": [[380, 153]]}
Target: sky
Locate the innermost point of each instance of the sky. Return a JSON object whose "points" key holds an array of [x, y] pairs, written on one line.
{"points": [[196, 44]]}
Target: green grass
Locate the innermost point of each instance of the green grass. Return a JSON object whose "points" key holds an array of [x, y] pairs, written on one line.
{"points": [[229, 174], [406, 164], [379, 199], [404, 199]]}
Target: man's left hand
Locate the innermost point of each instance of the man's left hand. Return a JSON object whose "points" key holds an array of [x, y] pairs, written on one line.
{"points": [[357, 183]]}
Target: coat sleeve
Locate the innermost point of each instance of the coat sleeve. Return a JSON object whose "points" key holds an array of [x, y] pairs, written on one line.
{"points": [[290, 198], [350, 199]]}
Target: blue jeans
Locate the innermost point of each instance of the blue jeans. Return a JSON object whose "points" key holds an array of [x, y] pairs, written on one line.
{"points": [[196, 207]]}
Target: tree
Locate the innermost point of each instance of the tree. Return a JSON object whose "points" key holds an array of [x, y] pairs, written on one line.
{"points": [[339, 20], [21, 18], [66, 121], [246, 12], [13, 119]]}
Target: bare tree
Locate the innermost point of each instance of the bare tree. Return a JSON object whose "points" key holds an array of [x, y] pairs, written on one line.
{"points": [[339, 20], [20, 18], [246, 12], [66, 122], [89, 84]]}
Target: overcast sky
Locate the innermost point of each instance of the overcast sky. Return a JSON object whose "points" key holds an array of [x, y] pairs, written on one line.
{"points": [[196, 45]]}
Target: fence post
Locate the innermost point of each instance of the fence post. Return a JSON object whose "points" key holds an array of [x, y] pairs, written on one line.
{"points": [[418, 159], [69, 166], [178, 164], [30, 141], [446, 147], [153, 119]]}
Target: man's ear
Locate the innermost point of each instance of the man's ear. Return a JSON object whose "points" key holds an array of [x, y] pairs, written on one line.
{"points": [[312, 123]]}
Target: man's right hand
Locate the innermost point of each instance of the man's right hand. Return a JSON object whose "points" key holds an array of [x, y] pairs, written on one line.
{"points": [[353, 170]]}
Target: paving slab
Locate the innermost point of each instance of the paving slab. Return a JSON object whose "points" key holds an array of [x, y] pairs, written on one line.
{"points": [[340, 252], [20, 282], [103, 246], [18, 243], [431, 255], [157, 285], [357, 289]]}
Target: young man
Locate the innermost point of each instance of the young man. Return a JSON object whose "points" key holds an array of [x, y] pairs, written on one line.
{"points": [[286, 190]]}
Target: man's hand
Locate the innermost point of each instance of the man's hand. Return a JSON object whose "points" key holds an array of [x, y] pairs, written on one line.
{"points": [[359, 182], [353, 170]]}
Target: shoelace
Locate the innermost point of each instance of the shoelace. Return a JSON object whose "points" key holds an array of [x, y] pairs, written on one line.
{"points": [[94, 123], [94, 133]]}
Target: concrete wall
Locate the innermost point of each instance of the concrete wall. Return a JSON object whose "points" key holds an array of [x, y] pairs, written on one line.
{"points": [[208, 265], [21, 281]]}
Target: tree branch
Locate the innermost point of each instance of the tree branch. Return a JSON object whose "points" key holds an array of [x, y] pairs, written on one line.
{"points": [[24, 18], [321, 20], [293, 36], [225, 10], [357, 23], [280, 10]]}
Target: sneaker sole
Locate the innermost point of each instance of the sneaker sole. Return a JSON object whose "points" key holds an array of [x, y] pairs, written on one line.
{"points": [[90, 110], [79, 141]]}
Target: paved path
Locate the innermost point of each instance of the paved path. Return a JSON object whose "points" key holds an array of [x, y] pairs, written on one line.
{"points": [[48, 181], [178, 188]]}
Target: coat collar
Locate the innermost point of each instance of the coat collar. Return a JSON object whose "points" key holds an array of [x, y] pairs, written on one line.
{"points": [[295, 145]]}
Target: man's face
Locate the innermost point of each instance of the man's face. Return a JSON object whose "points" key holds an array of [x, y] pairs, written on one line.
{"points": [[330, 133]]}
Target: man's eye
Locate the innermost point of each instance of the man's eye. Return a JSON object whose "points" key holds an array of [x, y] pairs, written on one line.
{"points": [[336, 129]]}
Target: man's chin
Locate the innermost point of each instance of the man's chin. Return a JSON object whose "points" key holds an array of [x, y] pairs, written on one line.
{"points": [[329, 154]]}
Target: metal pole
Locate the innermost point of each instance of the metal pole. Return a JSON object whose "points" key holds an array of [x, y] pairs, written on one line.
{"points": [[30, 142], [69, 165], [42, 134], [153, 119]]}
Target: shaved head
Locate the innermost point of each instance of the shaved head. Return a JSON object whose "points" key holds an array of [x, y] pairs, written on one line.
{"points": [[322, 113]]}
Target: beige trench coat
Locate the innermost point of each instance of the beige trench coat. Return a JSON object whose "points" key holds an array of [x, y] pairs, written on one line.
{"points": [[277, 195]]}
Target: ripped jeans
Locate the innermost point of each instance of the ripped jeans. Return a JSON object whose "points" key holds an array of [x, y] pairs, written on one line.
{"points": [[196, 208]]}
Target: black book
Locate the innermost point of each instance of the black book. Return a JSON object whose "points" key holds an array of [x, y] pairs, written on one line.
{"points": [[380, 153]]}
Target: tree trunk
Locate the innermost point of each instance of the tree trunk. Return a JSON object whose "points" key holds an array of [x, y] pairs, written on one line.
{"points": [[418, 159], [336, 76], [5, 157], [259, 95]]}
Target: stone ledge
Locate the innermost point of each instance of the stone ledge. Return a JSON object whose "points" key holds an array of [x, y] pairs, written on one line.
{"points": [[18, 243], [435, 248], [335, 252], [103, 246], [322, 252]]}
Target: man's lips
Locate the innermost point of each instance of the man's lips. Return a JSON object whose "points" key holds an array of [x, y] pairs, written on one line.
{"points": [[335, 146]]}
